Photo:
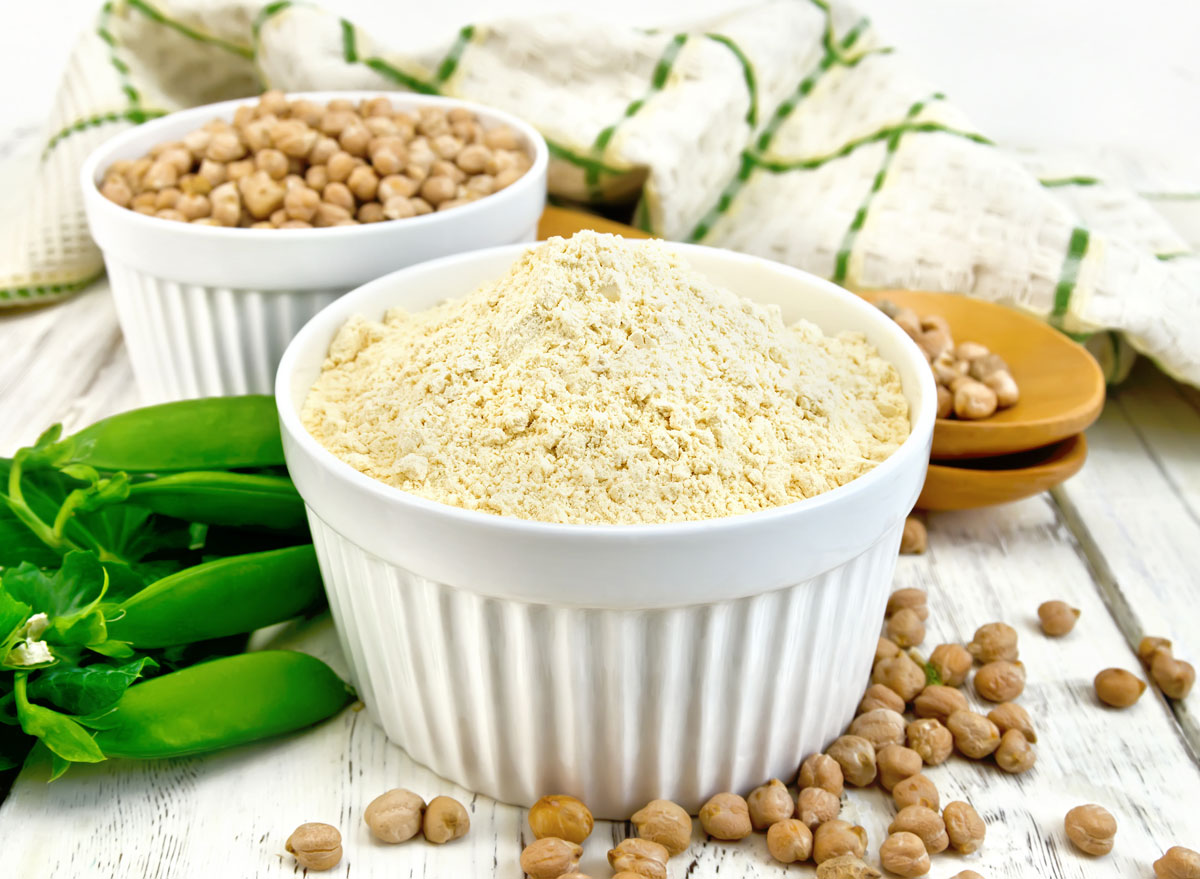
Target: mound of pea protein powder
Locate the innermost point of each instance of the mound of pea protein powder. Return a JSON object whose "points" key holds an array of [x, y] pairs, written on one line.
{"points": [[604, 381]]}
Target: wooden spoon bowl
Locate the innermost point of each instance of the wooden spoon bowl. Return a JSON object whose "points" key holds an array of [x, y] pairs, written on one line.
{"points": [[1062, 387], [966, 484]]}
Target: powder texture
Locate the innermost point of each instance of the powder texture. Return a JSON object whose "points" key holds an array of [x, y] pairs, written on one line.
{"points": [[602, 381]]}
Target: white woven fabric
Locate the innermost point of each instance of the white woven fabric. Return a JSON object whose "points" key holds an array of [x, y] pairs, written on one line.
{"points": [[785, 129]]}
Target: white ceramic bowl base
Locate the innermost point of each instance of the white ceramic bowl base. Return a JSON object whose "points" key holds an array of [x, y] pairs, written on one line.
{"points": [[208, 311], [614, 663]]}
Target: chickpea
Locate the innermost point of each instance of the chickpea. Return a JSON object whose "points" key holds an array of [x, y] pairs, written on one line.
{"points": [[847, 867], [355, 138], [117, 191], [339, 166], [1178, 863], [1010, 715], [994, 641], [905, 628], [924, 823], [145, 200], [301, 203], [1000, 681], [879, 727], [988, 364], [939, 701], [837, 837], [338, 194], [225, 147], [815, 806], [974, 400], [952, 662], [666, 823], [1149, 646], [170, 214], [1005, 388], [396, 185], [1118, 688], [395, 816], [501, 138], [473, 158], [193, 207], [445, 820], [879, 696], [257, 134], [769, 804], [398, 207], [974, 735], [901, 674], [1091, 828], [1173, 676], [226, 204], [214, 172], [196, 142], [160, 175], [560, 816], [261, 195], [371, 212], [964, 827], [886, 649], [436, 190], [481, 185], [447, 146], [789, 841], [856, 756], [330, 215], [904, 855], [1014, 754], [932, 741], [273, 162], [1057, 617], [549, 858], [432, 121], [239, 169], [934, 342], [194, 184], [821, 770], [507, 178], [315, 846], [896, 763], [911, 598], [945, 402], [317, 178], [966, 874], [726, 816], [363, 182], [640, 856], [916, 791], [500, 160], [416, 172]]}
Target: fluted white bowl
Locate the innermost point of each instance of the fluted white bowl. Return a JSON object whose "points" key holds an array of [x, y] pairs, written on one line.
{"points": [[615, 663], [207, 311]]}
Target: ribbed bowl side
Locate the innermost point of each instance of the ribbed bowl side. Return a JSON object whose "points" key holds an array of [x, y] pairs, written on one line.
{"points": [[187, 340], [515, 700]]}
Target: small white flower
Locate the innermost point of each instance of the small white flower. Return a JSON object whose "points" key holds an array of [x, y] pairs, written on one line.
{"points": [[29, 652], [36, 625]]}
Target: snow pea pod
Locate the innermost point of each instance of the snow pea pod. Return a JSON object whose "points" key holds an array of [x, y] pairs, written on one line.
{"points": [[214, 433], [220, 704], [220, 498], [229, 596]]}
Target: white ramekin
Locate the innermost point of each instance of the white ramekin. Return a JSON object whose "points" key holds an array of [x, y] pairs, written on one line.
{"points": [[615, 663], [207, 311]]}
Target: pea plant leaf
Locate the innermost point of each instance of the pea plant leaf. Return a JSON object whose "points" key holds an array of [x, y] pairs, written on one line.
{"points": [[72, 591], [87, 689], [61, 734], [13, 615], [48, 451]]}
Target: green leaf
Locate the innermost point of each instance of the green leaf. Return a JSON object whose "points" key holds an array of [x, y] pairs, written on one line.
{"points": [[88, 689], [73, 590], [47, 451], [932, 675], [112, 649], [13, 615], [86, 629], [61, 734]]}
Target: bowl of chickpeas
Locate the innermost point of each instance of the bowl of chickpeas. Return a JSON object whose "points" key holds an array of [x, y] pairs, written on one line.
{"points": [[224, 228]]}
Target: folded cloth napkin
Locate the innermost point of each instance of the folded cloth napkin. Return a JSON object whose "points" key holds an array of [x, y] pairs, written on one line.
{"points": [[784, 129]]}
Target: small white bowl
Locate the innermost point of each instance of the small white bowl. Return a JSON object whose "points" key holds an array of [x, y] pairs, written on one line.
{"points": [[207, 311], [615, 663]]}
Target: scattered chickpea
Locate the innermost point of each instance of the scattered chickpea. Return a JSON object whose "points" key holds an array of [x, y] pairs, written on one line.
{"points": [[879, 727], [561, 816], [550, 858], [974, 735], [1149, 646], [926, 824], [879, 696], [726, 816], [993, 642], [395, 816], [847, 867], [315, 846], [1178, 863], [966, 874], [666, 823], [964, 827], [1015, 755], [1173, 676], [939, 701], [445, 820], [789, 841], [1057, 617], [821, 770], [916, 791], [815, 806], [769, 804], [837, 837], [930, 739], [901, 674], [905, 628], [904, 854], [1118, 688], [952, 663], [640, 856], [1000, 681], [915, 538], [856, 756], [896, 763], [886, 649], [909, 597], [1010, 715], [1091, 828]]}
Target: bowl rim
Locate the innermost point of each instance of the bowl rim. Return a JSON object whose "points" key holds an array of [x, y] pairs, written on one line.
{"points": [[103, 156], [916, 444]]}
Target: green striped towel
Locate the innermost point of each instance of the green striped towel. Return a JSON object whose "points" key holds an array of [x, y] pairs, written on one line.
{"points": [[785, 129]]}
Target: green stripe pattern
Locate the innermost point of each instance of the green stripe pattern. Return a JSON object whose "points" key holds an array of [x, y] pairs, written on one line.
{"points": [[1054, 182], [747, 74], [1069, 274], [266, 14], [12, 294], [137, 115], [450, 62], [118, 65], [155, 15]]}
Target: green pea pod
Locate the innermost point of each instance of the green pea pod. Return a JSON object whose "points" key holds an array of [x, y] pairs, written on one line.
{"points": [[214, 433], [232, 595], [220, 704], [220, 498]]}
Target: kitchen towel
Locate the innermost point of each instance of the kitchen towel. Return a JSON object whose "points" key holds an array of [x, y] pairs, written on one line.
{"points": [[785, 129]]}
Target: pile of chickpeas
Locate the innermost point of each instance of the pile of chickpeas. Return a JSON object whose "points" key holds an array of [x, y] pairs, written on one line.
{"points": [[299, 164], [972, 382]]}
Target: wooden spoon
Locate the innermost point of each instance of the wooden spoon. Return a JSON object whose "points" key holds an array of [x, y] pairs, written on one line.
{"points": [[1062, 387], [981, 482]]}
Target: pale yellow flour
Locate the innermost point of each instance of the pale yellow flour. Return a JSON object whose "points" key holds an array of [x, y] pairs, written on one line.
{"points": [[603, 381]]}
